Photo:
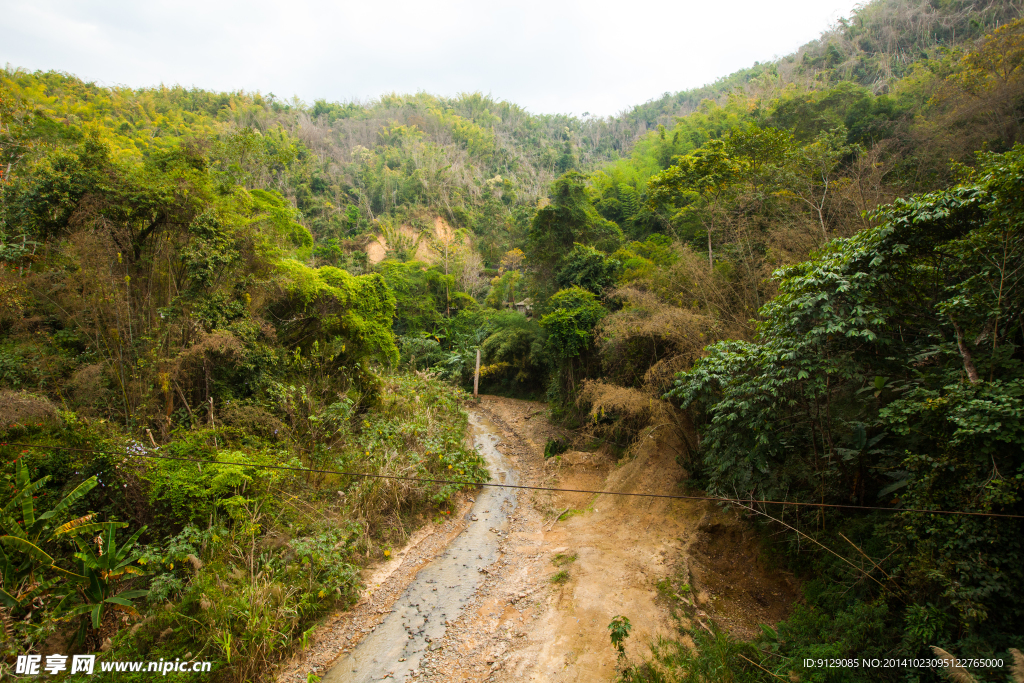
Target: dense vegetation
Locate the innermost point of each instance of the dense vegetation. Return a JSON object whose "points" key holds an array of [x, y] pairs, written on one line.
{"points": [[817, 262], [887, 371]]}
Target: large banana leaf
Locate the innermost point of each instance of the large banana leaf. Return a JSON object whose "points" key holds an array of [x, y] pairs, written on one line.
{"points": [[27, 547], [88, 554], [58, 509], [67, 575], [18, 599], [95, 600], [96, 611], [127, 567], [28, 514], [118, 600], [32, 526], [78, 526], [27, 490], [82, 489], [126, 547], [24, 497], [85, 528], [76, 610], [21, 553], [7, 569], [11, 527], [8, 600]]}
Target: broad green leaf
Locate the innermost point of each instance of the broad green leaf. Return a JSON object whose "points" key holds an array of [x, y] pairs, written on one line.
{"points": [[119, 600], [82, 489], [77, 526], [7, 599], [27, 548]]}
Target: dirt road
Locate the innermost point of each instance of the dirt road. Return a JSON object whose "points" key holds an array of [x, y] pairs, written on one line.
{"points": [[522, 594]]}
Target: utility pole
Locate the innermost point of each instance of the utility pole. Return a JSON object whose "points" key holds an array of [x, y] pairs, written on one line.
{"points": [[476, 376]]}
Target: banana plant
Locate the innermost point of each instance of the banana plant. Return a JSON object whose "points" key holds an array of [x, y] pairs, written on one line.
{"points": [[22, 554], [103, 569]]}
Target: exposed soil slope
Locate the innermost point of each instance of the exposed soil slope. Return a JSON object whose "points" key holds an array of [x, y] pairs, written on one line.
{"points": [[542, 610]]}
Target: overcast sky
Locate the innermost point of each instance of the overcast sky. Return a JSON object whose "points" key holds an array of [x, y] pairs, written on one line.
{"points": [[551, 56]]}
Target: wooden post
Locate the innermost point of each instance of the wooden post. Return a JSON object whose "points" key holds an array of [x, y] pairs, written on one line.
{"points": [[476, 376]]}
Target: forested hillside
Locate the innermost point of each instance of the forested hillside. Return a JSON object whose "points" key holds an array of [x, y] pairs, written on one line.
{"points": [[811, 270]]}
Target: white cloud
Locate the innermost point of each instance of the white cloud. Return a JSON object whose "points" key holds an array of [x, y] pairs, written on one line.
{"points": [[549, 56]]}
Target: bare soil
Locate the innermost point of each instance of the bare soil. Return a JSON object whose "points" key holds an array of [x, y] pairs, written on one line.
{"points": [[542, 611]]}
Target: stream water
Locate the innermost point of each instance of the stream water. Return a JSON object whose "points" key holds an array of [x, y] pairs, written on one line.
{"points": [[442, 589]]}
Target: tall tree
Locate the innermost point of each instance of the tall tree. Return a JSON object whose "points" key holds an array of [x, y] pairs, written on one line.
{"points": [[699, 182], [568, 219]]}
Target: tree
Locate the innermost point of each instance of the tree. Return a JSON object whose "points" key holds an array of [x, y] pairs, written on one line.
{"points": [[513, 349], [699, 182], [574, 314], [984, 92], [571, 326], [588, 268], [765, 152], [816, 178], [568, 219], [353, 314], [449, 247], [504, 288], [888, 371]]}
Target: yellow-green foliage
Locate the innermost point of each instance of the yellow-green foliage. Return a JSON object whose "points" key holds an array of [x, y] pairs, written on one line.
{"points": [[140, 120], [359, 309], [271, 207]]}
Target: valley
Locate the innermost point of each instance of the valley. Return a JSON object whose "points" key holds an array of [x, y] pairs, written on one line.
{"points": [[241, 335], [520, 620]]}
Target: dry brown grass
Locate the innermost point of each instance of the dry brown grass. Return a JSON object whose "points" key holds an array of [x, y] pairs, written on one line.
{"points": [[377, 503], [219, 342], [87, 390], [610, 398], [12, 295], [636, 413], [642, 347], [19, 407], [254, 420], [648, 333], [1017, 669], [730, 293], [952, 670]]}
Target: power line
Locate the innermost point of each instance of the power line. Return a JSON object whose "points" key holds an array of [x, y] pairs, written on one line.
{"points": [[740, 501]]}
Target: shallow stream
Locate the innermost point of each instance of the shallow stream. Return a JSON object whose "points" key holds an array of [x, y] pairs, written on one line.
{"points": [[441, 590]]}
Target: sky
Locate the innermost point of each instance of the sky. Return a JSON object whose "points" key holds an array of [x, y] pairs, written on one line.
{"points": [[550, 56]]}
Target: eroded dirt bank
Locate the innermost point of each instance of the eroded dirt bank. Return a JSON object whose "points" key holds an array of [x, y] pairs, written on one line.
{"points": [[536, 596]]}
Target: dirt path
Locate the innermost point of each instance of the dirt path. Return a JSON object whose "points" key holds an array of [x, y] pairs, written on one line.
{"points": [[535, 597]]}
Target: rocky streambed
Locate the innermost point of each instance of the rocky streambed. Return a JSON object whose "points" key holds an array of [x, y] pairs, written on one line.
{"points": [[437, 596]]}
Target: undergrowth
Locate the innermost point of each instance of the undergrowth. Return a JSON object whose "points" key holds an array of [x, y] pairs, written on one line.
{"points": [[240, 561]]}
